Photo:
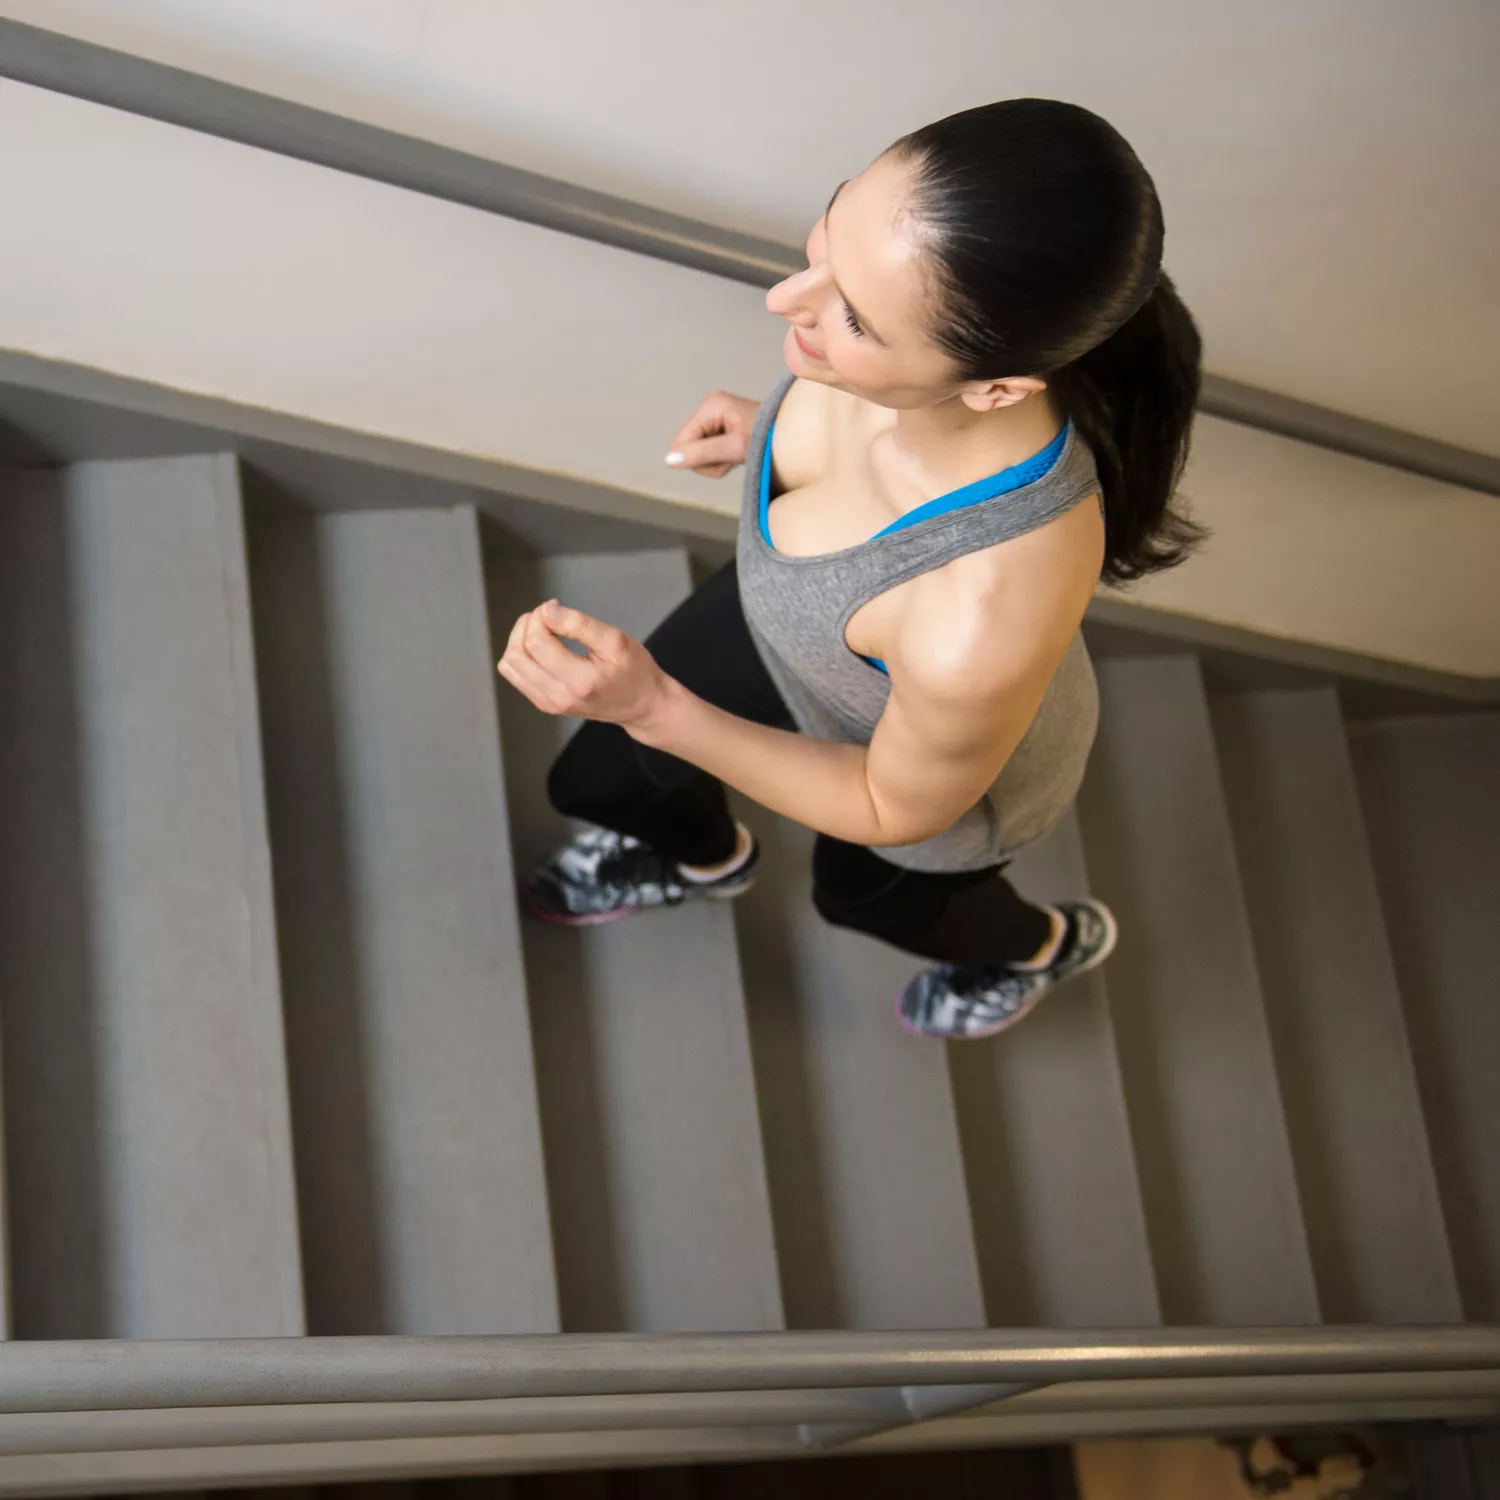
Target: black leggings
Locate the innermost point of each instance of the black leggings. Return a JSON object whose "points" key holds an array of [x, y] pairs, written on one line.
{"points": [[605, 777]]}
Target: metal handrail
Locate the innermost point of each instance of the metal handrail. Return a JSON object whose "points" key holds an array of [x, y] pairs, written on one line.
{"points": [[100, 1375], [120, 80], [211, 106], [821, 1415]]}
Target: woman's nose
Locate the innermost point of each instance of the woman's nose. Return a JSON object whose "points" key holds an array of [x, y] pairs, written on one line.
{"points": [[790, 297]]}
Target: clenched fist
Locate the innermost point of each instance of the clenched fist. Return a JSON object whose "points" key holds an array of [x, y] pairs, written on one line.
{"points": [[618, 681], [713, 440]]}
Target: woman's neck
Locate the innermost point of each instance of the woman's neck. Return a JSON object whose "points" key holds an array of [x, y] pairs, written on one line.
{"points": [[941, 447], [954, 435]]}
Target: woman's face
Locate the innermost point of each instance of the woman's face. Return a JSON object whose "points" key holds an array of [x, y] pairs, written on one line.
{"points": [[861, 311]]}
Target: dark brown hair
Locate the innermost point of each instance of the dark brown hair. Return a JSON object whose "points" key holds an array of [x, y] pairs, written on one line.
{"points": [[1045, 236]]}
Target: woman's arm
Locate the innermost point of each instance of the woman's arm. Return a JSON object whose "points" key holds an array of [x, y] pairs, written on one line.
{"points": [[969, 665], [932, 756], [811, 781]]}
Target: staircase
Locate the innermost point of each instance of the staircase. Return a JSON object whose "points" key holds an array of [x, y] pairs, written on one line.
{"points": [[280, 1057]]}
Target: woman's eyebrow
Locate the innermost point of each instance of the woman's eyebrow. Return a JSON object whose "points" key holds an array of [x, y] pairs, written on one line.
{"points": [[847, 303]]}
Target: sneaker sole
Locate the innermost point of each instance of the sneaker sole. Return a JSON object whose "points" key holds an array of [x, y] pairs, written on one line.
{"points": [[552, 919], [535, 909], [1111, 938]]}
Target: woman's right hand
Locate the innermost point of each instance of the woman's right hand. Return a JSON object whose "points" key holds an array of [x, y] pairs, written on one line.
{"points": [[713, 440]]}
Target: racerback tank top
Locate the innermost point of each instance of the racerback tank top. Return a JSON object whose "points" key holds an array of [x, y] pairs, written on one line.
{"points": [[798, 607]]}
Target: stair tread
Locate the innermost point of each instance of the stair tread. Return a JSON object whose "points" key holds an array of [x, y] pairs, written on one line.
{"points": [[413, 1085], [872, 1217], [653, 1145], [1057, 1201], [1431, 799], [150, 1159], [1200, 1083], [1369, 1193]]}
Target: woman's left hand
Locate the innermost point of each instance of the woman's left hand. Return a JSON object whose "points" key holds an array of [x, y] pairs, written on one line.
{"points": [[618, 681]]}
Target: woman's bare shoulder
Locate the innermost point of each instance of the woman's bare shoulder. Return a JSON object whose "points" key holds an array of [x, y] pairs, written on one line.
{"points": [[1014, 607]]}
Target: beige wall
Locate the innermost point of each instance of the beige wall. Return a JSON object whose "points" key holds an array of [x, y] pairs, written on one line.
{"points": [[1329, 171], [159, 254], [1316, 546]]}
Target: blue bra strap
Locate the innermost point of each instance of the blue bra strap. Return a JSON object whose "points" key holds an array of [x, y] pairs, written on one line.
{"points": [[1028, 471]]}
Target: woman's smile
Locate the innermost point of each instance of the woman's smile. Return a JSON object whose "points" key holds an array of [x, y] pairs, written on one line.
{"points": [[805, 347]]}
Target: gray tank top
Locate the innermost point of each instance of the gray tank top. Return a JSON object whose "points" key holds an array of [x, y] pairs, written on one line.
{"points": [[797, 609]]}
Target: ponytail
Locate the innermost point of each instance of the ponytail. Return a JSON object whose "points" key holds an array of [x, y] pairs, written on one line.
{"points": [[1131, 399], [1045, 236]]}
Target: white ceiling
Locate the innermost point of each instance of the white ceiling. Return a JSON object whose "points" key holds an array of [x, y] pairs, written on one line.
{"points": [[1330, 170]]}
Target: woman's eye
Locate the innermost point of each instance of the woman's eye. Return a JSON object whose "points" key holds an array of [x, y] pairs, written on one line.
{"points": [[852, 321]]}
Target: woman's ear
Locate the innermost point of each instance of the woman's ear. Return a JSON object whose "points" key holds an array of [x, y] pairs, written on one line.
{"points": [[990, 395]]}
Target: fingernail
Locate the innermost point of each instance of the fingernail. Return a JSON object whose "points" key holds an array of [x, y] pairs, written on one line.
{"points": [[552, 610], [676, 459]]}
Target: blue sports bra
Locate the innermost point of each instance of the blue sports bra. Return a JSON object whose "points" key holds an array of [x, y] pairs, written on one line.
{"points": [[1028, 471]]}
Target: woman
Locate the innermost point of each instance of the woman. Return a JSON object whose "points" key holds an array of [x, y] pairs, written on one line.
{"points": [[992, 384]]}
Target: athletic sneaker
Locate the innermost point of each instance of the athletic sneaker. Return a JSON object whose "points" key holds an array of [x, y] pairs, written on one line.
{"points": [[962, 1002], [601, 875]]}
